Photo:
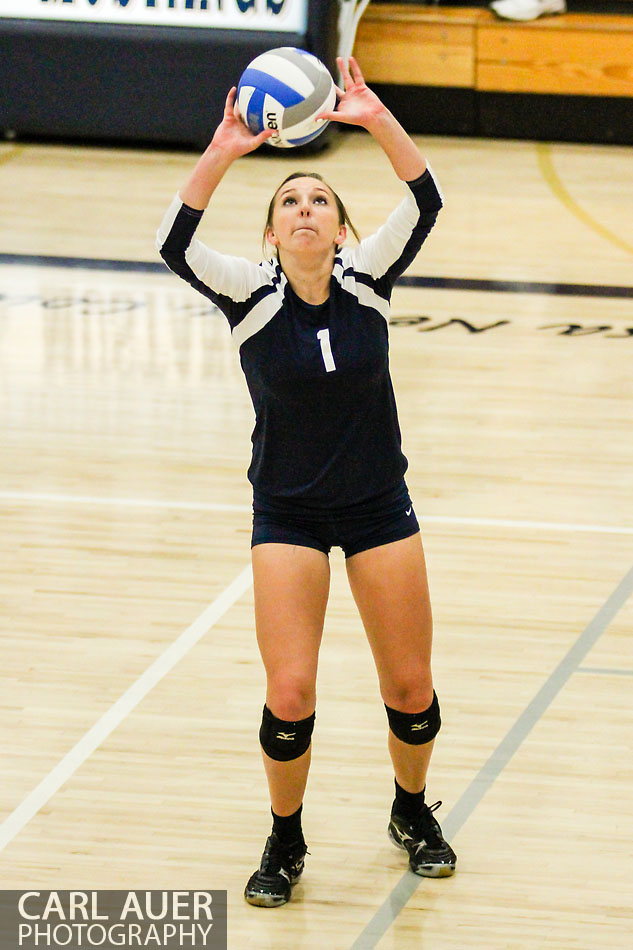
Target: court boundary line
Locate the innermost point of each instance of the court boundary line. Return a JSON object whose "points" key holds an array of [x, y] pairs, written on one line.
{"points": [[122, 707], [407, 280], [522, 525], [555, 184], [490, 771]]}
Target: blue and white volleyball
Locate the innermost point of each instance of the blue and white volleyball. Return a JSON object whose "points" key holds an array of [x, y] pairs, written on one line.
{"points": [[285, 89]]}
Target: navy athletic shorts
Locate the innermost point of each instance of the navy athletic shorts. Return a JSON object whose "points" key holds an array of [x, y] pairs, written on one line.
{"points": [[355, 528]]}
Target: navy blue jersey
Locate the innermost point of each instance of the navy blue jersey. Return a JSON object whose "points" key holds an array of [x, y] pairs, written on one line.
{"points": [[326, 426]]}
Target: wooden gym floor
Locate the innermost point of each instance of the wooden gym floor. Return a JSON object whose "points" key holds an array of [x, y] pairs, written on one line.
{"points": [[131, 685]]}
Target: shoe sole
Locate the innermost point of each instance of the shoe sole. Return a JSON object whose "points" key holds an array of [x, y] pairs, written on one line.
{"points": [[265, 900], [424, 870], [259, 899]]}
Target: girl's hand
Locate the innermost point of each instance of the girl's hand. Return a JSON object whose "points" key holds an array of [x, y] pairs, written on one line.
{"points": [[233, 137], [357, 105]]}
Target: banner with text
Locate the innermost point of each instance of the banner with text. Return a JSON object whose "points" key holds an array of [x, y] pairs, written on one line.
{"points": [[283, 15]]}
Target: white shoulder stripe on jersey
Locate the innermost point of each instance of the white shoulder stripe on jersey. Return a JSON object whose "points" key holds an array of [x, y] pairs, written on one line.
{"points": [[261, 314], [366, 296], [363, 293]]}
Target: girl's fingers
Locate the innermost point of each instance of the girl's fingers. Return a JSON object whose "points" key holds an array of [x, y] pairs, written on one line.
{"points": [[266, 134], [230, 99], [339, 92], [336, 117], [355, 68], [342, 65], [350, 71]]}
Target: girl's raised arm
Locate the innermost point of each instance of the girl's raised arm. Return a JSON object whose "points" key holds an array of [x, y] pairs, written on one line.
{"points": [[359, 105], [231, 140]]}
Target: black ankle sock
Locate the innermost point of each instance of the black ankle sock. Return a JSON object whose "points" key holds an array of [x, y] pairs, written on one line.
{"points": [[288, 827], [408, 804]]}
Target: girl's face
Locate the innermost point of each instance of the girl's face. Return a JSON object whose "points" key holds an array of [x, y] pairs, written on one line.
{"points": [[305, 217]]}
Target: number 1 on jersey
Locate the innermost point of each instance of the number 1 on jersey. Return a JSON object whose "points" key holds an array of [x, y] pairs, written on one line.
{"points": [[323, 336]]}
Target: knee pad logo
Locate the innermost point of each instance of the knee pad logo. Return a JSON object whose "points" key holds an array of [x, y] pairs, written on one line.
{"points": [[410, 728], [284, 740]]}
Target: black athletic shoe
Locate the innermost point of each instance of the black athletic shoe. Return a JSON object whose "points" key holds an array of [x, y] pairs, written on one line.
{"points": [[280, 867], [429, 854]]}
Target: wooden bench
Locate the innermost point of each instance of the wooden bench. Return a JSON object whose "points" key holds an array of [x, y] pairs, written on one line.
{"points": [[572, 55], [576, 53]]}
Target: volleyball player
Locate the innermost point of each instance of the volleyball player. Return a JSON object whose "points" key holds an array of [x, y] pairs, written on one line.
{"points": [[327, 466]]}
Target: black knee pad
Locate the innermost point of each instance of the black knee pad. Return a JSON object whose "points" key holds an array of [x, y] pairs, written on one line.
{"points": [[415, 728], [283, 740]]}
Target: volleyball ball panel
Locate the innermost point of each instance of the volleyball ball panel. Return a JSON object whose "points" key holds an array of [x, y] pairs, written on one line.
{"points": [[285, 89]]}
